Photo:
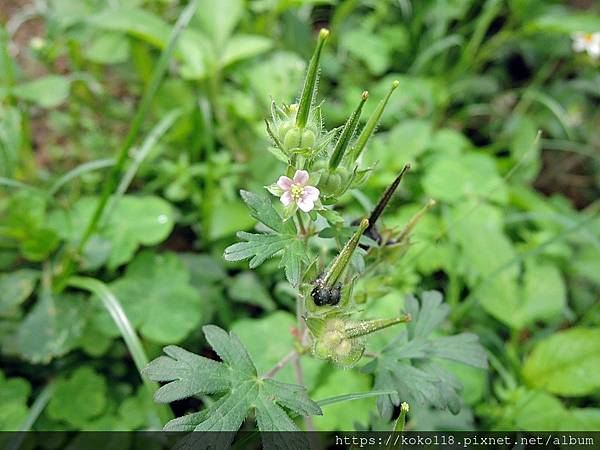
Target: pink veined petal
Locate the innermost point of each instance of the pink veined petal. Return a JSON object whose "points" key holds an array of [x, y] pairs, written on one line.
{"points": [[305, 204], [301, 177], [284, 182], [310, 193], [286, 198]]}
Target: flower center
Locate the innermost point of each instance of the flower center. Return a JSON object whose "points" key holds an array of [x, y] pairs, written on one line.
{"points": [[296, 191], [588, 37]]}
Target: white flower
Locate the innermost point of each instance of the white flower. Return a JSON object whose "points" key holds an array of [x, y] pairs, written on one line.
{"points": [[587, 42], [296, 191]]}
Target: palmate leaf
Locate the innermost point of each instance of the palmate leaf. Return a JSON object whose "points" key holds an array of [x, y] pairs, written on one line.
{"points": [[260, 247], [240, 388], [408, 366]]}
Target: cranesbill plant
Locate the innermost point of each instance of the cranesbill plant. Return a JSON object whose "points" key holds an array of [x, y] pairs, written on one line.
{"points": [[298, 211]]}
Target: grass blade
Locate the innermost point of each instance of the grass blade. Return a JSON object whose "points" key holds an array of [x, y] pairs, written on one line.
{"points": [[80, 170], [132, 341], [351, 397]]}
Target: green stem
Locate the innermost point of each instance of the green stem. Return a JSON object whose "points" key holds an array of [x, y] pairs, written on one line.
{"points": [[136, 124], [34, 412], [132, 341]]}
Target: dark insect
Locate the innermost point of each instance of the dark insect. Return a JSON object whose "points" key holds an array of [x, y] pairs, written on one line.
{"points": [[326, 295]]}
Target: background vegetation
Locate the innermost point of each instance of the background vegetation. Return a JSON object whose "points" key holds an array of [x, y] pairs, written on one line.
{"points": [[513, 243]]}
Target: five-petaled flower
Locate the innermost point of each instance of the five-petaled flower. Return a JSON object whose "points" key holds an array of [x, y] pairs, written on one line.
{"points": [[297, 191], [587, 42]]}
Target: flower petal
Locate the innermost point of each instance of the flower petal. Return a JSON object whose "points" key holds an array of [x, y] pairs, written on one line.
{"points": [[284, 182], [578, 45], [305, 204], [310, 193], [286, 198], [301, 177]]}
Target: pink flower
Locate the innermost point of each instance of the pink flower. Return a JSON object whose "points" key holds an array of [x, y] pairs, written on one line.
{"points": [[296, 191]]}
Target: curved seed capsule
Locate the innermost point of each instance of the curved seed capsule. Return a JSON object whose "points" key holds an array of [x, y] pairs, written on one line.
{"points": [[347, 133], [343, 258], [369, 128], [308, 90], [385, 198]]}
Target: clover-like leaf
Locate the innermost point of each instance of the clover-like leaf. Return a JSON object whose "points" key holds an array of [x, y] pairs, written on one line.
{"points": [[158, 298], [13, 398], [407, 365], [235, 379], [133, 221]]}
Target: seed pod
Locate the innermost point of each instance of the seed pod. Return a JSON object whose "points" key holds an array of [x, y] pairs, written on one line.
{"points": [[310, 82], [346, 134], [340, 340], [369, 128]]}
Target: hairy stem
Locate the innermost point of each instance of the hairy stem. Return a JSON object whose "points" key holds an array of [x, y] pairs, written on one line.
{"points": [[281, 364]]}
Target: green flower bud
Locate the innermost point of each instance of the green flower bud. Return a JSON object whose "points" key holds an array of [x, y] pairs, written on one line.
{"points": [[284, 128], [298, 138]]}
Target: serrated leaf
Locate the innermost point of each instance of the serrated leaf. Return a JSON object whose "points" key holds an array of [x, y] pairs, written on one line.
{"points": [[235, 378], [188, 374], [263, 211], [407, 364]]}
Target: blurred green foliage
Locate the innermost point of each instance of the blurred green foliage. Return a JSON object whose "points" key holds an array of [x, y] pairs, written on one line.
{"points": [[497, 115]]}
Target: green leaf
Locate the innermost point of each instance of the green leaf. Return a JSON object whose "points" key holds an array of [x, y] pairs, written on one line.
{"points": [[108, 48], [266, 353], [567, 23], [191, 49], [342, 416], [263, 211], [260, 247], [219, 18], [193, 374], [52, 327], [133, 221], [368, 47], [407, 364], [244, 46], [78, 398], [237, 382], [48, 92], [14, 393], [471, 175], [566, 363], [24, 220], [157, 296], [16, 287], [246, 288]]}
